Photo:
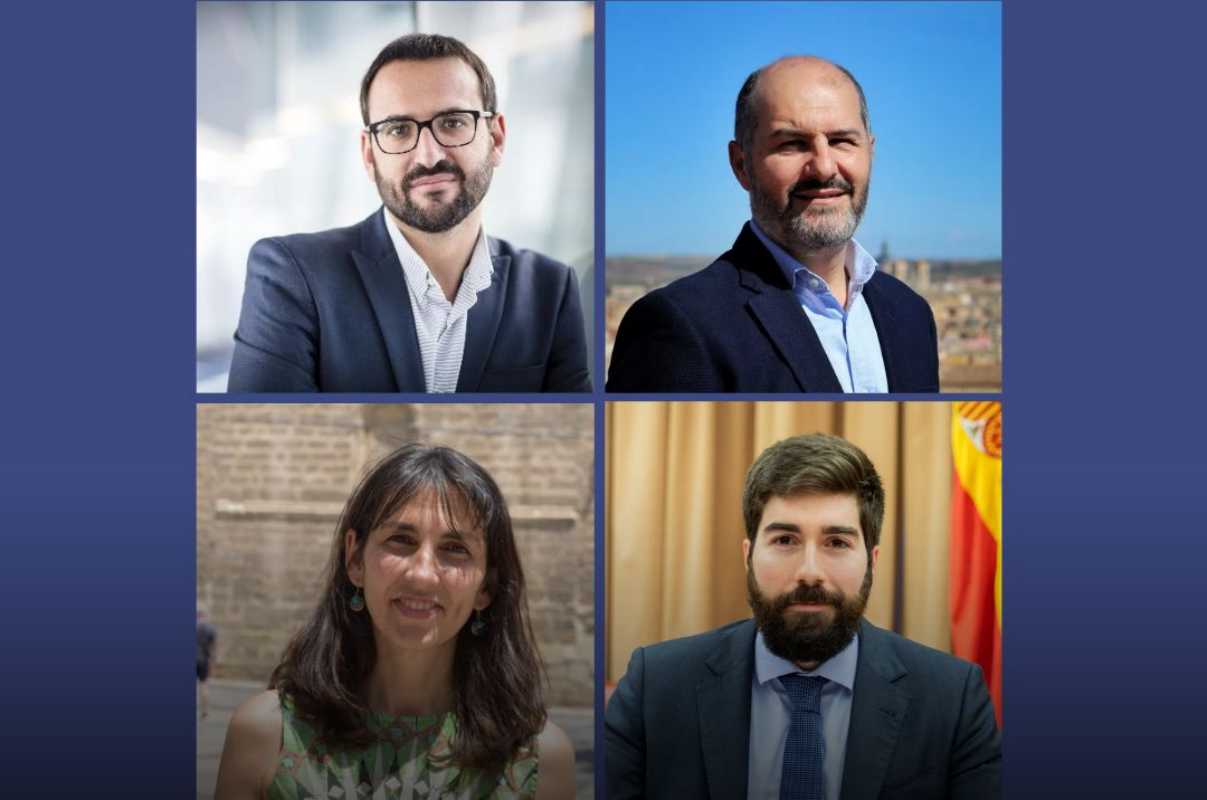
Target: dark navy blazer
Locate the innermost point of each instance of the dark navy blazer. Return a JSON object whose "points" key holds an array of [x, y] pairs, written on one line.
{"points": [[922, 724], [329, 312], [737, 326]]}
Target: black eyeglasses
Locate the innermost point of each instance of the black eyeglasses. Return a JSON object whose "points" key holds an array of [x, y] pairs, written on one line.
{"points": [[396, 135]]}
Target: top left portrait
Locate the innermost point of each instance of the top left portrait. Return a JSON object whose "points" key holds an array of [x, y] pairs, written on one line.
{"points": [[395, 198]]}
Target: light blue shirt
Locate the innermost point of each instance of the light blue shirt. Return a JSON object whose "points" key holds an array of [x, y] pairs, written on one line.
{"points": [[771, 712], [848, 335]]}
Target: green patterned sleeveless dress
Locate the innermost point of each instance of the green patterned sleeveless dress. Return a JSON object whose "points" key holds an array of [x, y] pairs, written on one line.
{"points": [[410, 759]]}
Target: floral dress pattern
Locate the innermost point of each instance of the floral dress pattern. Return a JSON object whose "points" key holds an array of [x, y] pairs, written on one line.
{"points": [[411, 758]]}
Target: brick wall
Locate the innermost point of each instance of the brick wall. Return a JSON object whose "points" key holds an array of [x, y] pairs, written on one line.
{"points": [[272, 478]]}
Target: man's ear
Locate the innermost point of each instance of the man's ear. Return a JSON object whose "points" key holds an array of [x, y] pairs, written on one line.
{"points": [[367, 154], [746, 553], [498, 138], [354, 562], [737, 162], [875, 557]]}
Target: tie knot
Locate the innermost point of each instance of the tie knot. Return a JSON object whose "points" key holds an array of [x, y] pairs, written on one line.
{"points": [[804, 691]]}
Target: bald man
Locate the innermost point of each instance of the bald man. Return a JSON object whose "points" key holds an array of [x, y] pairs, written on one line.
{"points": [[796, 305]]}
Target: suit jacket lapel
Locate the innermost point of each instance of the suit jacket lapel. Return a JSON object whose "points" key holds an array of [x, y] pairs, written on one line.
{"points": [[778, 311], [884, 318], [723, 700], [877, 710], [482, 323], [381, 273]]}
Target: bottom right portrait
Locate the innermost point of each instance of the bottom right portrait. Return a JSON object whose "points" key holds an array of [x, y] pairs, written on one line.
{"points": [[803, 599]]}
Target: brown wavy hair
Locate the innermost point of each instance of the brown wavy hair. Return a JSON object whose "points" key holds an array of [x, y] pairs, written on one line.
{"points": [[497, 677]]}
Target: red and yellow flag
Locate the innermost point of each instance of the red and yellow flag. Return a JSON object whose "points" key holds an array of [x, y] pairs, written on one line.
{"points": [[976, 540]]}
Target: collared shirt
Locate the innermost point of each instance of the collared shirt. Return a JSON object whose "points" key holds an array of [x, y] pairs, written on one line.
{"points": [[848, 335], [771, 713], [440, 325]]}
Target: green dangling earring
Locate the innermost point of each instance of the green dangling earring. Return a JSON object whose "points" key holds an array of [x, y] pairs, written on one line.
{"points": [[357, 603], [478, 626]]}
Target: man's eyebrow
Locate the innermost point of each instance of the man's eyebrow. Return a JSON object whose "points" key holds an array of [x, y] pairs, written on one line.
{"points": [[781, 526], [789, 130], [397, 117], [840, 530]]}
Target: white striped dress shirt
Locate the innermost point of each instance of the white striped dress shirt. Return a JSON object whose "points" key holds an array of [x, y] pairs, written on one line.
{"points": [[440, 325]]}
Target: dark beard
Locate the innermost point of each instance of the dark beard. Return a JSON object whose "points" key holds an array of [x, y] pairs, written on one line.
{"points": [[445, 216], [806, 637]]}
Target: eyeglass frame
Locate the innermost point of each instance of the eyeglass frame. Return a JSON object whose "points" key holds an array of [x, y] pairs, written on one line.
{"points": [[427, 123]]}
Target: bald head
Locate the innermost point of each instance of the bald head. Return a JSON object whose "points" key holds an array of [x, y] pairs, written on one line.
{"points": [[787, 75]]}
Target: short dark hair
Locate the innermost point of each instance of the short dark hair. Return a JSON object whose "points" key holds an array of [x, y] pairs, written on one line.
{"points": [[745, 121], [424, 47], [815, 464], [497, 677]]}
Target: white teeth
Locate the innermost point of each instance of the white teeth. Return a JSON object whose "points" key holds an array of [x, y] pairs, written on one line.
{"points": [[417, 605]]}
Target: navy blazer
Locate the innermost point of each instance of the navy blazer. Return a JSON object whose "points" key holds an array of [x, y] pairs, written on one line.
{"points": [[922, 724], [329, 312], [737, 326]]}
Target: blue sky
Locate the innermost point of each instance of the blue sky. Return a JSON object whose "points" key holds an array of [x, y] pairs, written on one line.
{"points": [[932, 75]]}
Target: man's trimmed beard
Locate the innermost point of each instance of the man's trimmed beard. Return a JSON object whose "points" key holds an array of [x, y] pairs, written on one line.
{"points": [[812, 229], [804, 637], [443, 216]]}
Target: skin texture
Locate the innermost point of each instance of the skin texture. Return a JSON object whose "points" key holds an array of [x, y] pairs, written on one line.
{"points": [[420, 90], [813, 540], [809, 141]]}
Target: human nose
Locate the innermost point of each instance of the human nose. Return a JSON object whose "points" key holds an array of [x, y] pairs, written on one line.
{"points": [[808, 569], [423, 567], [821, 165], [427, 149]]}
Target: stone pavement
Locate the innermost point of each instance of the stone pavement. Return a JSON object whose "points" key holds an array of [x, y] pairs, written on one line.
{"points": [[226, 696]]}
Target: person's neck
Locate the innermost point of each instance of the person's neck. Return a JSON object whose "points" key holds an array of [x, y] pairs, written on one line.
{"points": [[446, 254], [412, 683], [829, 264]]}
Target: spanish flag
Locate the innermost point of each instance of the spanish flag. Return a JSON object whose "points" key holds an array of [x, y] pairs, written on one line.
{"points": [[976, 540]]}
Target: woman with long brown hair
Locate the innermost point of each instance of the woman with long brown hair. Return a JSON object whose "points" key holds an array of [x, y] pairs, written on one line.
{"points": [[418, 673]]}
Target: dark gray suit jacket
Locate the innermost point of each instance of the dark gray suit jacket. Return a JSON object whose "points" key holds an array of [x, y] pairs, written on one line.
{"points": [[922, 724], [328, 312]]}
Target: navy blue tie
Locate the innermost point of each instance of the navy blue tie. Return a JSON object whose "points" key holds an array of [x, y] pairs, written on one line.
{"points": [[805, 750]]}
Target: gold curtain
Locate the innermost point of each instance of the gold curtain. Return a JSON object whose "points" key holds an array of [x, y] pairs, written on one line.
{"points": [[674, 475]]}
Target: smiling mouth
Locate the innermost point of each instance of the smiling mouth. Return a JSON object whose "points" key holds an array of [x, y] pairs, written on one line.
{"points": [[416, 608], [820, 196], [443, 179]]}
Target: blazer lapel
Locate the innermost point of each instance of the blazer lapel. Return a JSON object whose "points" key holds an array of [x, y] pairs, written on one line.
{"points": [[482, 323], [885, 320], [877, 710], [723, 700], [381, 273], [774, 305]]}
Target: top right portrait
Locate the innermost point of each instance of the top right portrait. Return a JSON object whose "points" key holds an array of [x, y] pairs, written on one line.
{"points": [[803, 198]]}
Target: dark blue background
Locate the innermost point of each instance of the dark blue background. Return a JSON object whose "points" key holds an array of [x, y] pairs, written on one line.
{"points": [[1104, 252]]}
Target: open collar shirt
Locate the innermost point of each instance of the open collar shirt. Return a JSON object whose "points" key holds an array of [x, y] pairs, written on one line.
{"points": [[848, 334], [440, 326]]}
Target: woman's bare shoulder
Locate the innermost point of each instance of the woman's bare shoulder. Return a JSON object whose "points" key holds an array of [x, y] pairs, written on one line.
{"points": [[556, 770], [253, 742]]}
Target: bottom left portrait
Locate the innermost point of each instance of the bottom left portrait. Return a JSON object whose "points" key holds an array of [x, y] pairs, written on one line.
{"points": [[395, 600]]}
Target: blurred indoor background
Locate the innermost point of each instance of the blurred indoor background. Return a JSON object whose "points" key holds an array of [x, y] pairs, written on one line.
{"points": [[278, 122]]}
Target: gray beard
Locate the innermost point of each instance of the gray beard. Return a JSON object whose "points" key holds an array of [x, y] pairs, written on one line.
{"points": [[819, 230]]}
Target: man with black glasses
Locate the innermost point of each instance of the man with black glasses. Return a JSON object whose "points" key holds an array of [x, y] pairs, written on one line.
{"points": [[416, 298]]}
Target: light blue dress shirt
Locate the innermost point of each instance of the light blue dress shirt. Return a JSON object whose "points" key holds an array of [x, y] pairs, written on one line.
{"points": [[848, 335], [771, 713]]}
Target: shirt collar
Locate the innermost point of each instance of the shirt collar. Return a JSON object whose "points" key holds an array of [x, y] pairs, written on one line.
{"points": [[840, 668], [860, 266], [419, 277]]}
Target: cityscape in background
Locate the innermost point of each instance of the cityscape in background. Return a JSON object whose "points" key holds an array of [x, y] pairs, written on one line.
{"points": [[965, 296]]}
